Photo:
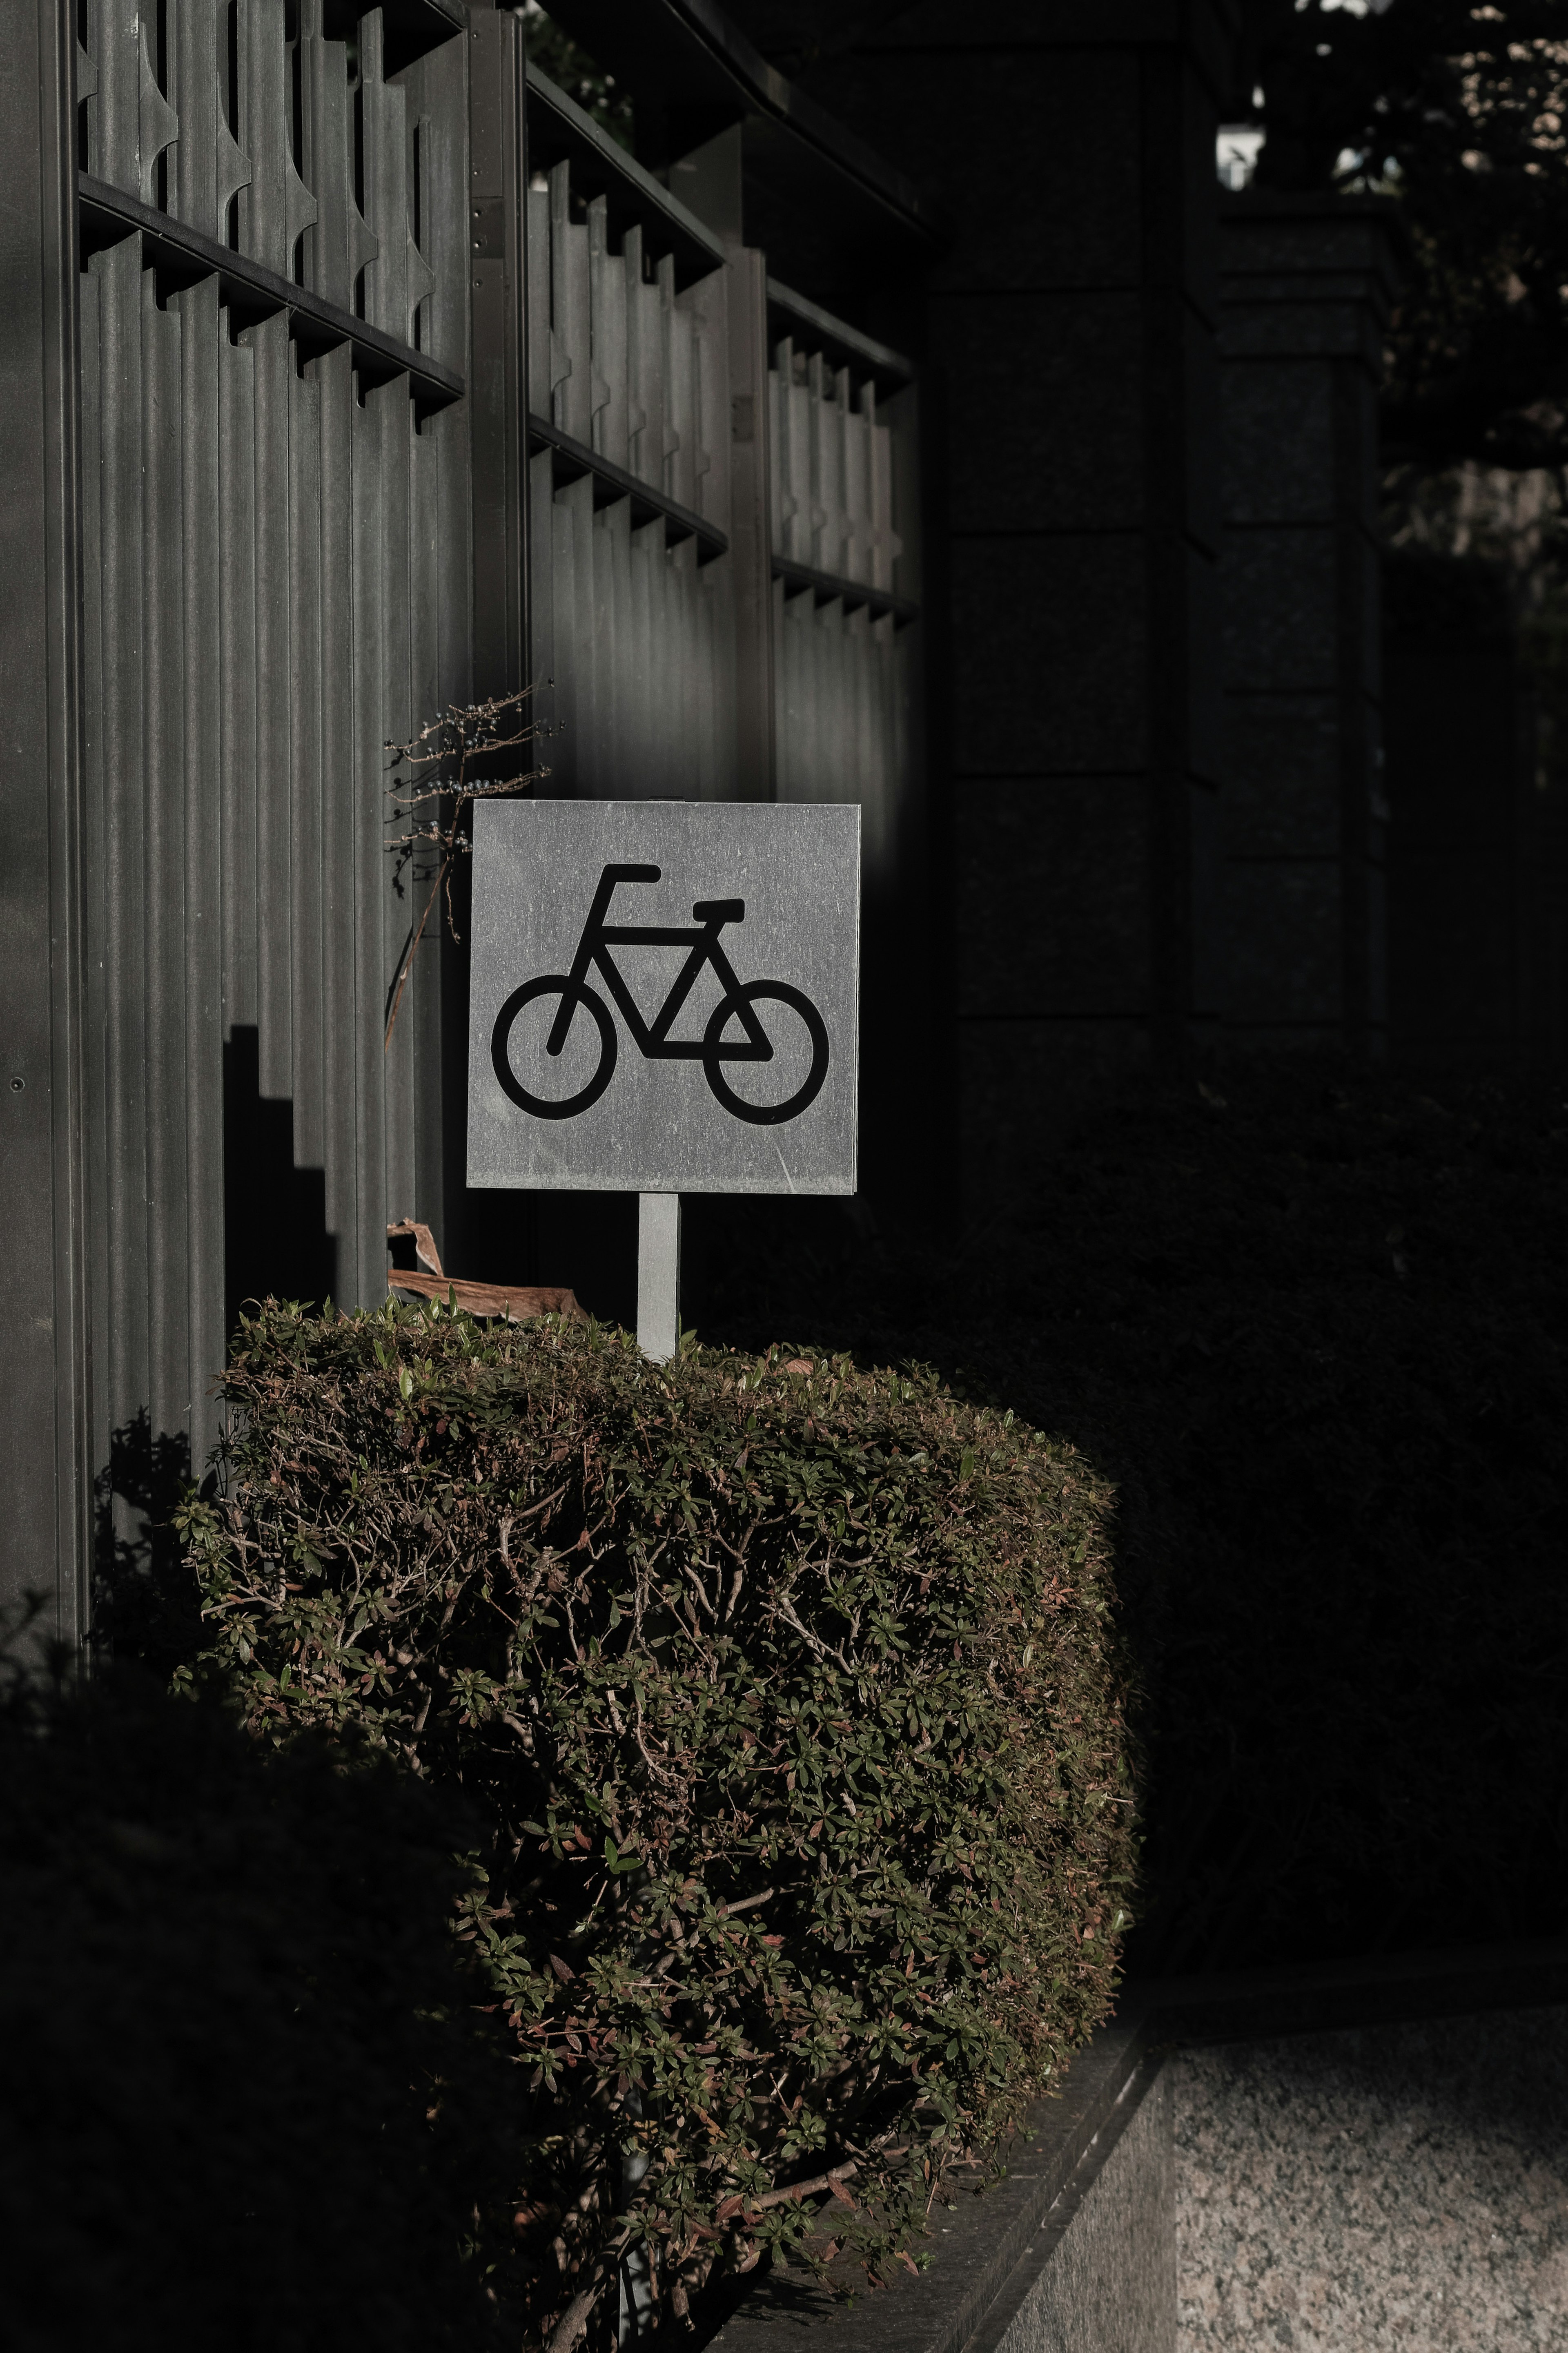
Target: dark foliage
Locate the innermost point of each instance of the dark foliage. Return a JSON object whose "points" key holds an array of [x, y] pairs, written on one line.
{"points": [[1426, 593], [247, 2099], [788, 1695], [1461, 111], [1318, 1332], [569, 66]]}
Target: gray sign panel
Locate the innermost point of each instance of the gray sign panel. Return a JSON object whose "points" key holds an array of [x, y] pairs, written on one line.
{"points": [[664, 996]]}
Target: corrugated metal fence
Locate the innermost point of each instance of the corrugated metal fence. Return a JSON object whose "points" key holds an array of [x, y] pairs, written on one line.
{"points": [[628, 399], [707, 485], [632, 411], [845, 517], [274, 327]]}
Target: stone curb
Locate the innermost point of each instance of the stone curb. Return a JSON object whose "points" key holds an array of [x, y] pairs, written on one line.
{"points": [[991, 2246]]}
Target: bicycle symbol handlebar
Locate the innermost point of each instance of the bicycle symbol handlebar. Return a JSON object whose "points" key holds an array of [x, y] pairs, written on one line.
{"points": [[738, 1003]]}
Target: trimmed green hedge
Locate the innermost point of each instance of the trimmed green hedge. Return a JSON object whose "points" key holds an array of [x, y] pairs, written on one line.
{"points": [[788, 1695]]}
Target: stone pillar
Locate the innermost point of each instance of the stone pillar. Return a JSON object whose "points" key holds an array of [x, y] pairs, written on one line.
{"points": [[1305, 288], [1069, 348]]}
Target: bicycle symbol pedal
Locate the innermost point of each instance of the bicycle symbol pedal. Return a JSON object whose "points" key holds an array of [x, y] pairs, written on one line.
{"points": [[575, 1020]]}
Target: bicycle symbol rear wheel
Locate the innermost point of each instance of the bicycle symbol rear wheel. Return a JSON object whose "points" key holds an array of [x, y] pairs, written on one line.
{"points": [[715, 1053], [554, 984]]}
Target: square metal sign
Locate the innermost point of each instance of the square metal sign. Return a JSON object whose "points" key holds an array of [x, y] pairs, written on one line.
{"points": [[664, 996]]}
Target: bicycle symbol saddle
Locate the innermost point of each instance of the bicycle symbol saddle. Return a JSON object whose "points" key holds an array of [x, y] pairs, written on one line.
{"points": [[738, 1004]]}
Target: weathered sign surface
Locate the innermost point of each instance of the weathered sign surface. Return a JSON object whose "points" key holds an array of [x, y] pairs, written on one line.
{"points": [[664, 996]]}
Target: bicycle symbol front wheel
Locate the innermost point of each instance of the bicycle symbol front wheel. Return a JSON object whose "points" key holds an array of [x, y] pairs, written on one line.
{"points": [[535, 1050], [717, 1052]]}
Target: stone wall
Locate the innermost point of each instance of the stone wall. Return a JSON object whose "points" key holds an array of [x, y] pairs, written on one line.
{"points": [[1111, 2277], [1357, 2157]]}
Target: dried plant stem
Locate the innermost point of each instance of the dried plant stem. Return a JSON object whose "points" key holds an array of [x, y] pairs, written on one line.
{"points": [[408, 965], [438, 762], [812, 2189]]}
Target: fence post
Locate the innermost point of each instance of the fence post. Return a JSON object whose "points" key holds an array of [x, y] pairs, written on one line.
{"points": [[659, 1275], [45, 1523]]}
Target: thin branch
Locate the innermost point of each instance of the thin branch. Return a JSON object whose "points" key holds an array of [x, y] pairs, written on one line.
{"points": [[452, 742], [840, 2174]]}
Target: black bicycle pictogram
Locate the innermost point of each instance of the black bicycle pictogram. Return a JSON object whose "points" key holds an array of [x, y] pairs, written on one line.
{"points": [[738, 1004]]}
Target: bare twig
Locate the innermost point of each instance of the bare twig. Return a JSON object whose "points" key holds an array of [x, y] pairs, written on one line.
{"points": [[448, 747]]}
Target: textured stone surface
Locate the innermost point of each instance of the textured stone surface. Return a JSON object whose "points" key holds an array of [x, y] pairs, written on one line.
{"points": [[1069, 614], [1279, 443], [1283, 775], [1110, 2287], [1285, 945], [1394, 2189], [1280, 596], [1055, 379]]}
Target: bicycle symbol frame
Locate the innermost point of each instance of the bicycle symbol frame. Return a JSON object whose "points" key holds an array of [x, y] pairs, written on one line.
{"points": [[653, 1039]]}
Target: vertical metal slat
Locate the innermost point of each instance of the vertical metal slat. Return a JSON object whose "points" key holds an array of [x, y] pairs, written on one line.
{"points": [[193, 39], [607, 306], [164, 1092], [385, 149], [571, 329], [360, 784], [334, 653], [119, 101], [306, 603], [276, 206], [201, 327], [235, 563], [124, 1309], [264, 477], [335, 256], [96, 588]]}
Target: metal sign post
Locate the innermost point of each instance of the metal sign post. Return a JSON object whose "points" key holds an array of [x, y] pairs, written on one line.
{"points": [[664, 1000], [659, 1275]]}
